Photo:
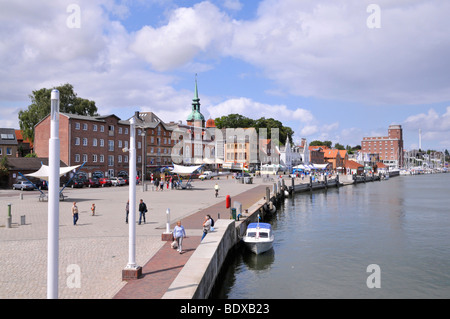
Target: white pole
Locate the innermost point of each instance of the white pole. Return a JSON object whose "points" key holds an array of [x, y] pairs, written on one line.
{"points": [[53, 200], [132, 196], [168, 220]]}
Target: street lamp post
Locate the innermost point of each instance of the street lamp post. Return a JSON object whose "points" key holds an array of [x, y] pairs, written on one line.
{"points": [[132, 270], [53, 199]]}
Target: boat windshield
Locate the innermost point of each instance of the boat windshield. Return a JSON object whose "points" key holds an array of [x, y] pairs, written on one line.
{"points": [[251, 234], [263, 235]]}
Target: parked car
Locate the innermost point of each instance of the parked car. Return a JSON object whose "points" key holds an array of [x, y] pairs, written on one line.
{"points": [[105, 182], [76, 183], [42, 184], [93, 182], [239, 175], [117, 181], [126, 179], [23, 185]]}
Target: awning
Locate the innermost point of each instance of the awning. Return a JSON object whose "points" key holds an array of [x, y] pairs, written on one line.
{"points": [[44, 171], [179, 169]]}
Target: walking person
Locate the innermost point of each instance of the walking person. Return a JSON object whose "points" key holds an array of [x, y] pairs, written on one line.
{"points": [[216, 189], [142, 211], [161, 184], [127, 210], [93, 209], [75, 213], [179, 233], [206, 226]]}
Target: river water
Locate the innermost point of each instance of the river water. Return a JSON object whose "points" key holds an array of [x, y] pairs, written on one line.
{"points": [[326, 240]]}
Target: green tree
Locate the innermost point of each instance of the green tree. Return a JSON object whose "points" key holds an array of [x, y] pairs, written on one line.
{"points": [[233, 121], [339, 146], [240, 121], [4, 166], [40, 107], [320, 143]]}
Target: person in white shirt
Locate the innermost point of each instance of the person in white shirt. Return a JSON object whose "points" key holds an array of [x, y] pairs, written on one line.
{"points": [[179, 233]]}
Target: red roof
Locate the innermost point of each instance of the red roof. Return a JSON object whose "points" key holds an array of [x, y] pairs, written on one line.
{"points": [[381, 165], [352, 165]]}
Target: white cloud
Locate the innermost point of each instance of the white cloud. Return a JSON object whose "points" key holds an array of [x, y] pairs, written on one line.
{"points": [[235, 5], [325, 49], [189, 31], [255, 110]]}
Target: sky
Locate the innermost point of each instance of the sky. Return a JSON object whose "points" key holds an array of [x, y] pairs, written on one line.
{"points": [[334, 70]]}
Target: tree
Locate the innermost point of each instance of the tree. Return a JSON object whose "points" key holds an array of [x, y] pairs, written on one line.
{"points": [[240, 121], [339, 146], [320, 143], [4, 166], [40, 107]]}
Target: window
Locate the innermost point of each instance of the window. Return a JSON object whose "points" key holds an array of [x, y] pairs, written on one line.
{"points": [[102, 128], [85, 127], [110, 160], [102, 142], [85, 141], [120, 130], [102, 158], [110, 145], [94, 158], [110, 127], [94, 142], [77, 141], [119, 158], [120, 144], [77, 126], [139, 145], [126, 130], [94, 127], [139, 159], [77, 158], [126, 144], [8, 151], [85, 158], [125, 158]]}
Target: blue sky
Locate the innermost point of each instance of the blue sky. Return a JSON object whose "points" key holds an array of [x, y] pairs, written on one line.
{"points": [[313, 64]]}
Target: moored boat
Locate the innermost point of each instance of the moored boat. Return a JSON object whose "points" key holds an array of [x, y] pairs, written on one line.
{"points": [[259, 237]]}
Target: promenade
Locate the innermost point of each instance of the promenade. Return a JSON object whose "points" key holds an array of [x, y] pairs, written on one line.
{"points": [[98, 246]]}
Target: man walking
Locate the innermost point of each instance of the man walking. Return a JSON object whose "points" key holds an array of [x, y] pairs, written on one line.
{"points": [[142, 210], [75, 213], [127, 210]]}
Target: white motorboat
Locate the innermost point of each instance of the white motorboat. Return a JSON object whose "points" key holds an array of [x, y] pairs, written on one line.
{"points": [[259, 237]]}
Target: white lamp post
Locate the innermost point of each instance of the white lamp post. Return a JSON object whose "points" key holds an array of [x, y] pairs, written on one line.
{"points": [[53, 200], [132, 270]]}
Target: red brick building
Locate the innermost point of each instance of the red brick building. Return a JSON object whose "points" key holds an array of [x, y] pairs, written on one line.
{"points": [[389, 148], [97, 140]]}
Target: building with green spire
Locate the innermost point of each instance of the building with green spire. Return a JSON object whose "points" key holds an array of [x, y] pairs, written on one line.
{"points": [[196, 118]]}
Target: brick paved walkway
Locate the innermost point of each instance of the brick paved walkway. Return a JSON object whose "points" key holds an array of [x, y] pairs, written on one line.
{"points": [[159, 272]]}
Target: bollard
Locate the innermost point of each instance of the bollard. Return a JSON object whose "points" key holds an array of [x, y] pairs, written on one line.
{"points": [[9, 218], [21, 196], [167, 235], [168, 221]]}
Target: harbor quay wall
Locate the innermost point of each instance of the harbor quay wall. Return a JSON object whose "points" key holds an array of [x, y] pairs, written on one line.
{"points": [[198, 277]]}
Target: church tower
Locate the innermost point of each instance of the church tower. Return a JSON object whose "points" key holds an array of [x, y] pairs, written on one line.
{"points": [[196, 118]]}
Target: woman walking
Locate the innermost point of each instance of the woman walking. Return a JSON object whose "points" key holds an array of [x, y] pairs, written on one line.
{"points": [[179, 233]]}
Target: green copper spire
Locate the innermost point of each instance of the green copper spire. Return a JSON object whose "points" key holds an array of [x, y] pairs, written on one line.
{"points": [[195, 114]]}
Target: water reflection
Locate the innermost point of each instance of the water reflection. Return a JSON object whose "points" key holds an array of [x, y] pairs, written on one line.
{"points": [[258, 262]]}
